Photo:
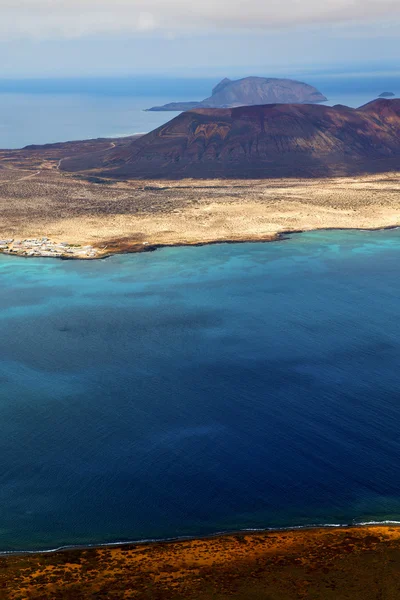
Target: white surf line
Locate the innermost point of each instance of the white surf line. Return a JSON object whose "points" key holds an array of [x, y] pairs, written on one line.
{"points": [[205, 536]]}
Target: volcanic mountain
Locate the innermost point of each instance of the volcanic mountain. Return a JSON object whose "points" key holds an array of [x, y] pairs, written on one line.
{"points": [[251, 91], [275, 140]]}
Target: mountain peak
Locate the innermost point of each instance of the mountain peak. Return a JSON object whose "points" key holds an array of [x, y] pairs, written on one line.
{"points": [[254, 91], [273, 140], [221, 85]]}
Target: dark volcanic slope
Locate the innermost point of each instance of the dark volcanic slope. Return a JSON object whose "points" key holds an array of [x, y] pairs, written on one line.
{"points": [[258, 142]]}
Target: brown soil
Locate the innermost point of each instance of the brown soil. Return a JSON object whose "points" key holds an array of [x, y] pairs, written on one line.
{"points": [[321, 564]]}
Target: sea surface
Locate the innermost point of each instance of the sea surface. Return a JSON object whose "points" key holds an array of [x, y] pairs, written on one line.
{"points": [[27, 118], [194, 390], [48, 111]]}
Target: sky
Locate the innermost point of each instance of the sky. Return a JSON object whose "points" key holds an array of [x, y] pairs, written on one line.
{"points": [[193, 38]]}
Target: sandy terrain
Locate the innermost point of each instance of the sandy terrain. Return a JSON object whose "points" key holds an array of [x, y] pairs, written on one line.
{"points": [[37, 200], [320, 564]]}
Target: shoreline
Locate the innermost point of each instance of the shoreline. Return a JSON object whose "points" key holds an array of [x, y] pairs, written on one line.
{"points": [[346, 563], [135, 248], [276, 237], [204, 537], [134, 216]]}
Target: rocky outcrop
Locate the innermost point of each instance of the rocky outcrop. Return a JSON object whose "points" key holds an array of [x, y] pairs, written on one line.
{"points": [[252, 91], [274, 140]]}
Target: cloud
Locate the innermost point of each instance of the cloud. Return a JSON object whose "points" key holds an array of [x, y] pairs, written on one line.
{"points": [[80, 18]]}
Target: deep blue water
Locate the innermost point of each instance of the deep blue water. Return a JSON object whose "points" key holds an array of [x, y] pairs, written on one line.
{"points": [[193, 390]]}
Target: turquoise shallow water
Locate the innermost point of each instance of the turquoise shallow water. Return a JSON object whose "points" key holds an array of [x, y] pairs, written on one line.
{"points": [[193, 390]]}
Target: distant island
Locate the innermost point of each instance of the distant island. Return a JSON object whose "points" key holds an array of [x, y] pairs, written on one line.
{"points": [[274, 140], [251, 91], [387, 95]]}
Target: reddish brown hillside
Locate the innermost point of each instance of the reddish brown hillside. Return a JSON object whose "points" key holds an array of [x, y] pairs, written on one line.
{"points": [[258, 142]]}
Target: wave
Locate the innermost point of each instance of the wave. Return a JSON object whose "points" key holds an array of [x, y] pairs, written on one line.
{"points": [[200, 537], [366, 523]]}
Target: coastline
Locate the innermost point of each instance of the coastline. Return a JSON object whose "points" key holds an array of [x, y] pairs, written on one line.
{"points": [[113, 249], [206, 536], [114, 217], [316, 562]]}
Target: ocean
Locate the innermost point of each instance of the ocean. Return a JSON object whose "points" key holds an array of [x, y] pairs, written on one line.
{"points": [[27, 118], [194, 390], [48, 111]]}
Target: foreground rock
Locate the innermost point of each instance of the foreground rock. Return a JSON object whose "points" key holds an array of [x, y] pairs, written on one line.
{"points": [[251, 91], [289, 140]]}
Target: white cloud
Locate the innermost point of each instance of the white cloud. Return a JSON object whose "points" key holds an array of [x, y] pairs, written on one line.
{"points": [[79, 18], [146, 21]]}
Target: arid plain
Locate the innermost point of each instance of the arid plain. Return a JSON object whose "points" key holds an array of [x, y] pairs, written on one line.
{"points": [[37, 199]]}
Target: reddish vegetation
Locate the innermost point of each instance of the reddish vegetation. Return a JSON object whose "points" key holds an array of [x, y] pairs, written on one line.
{"points": [[322, 564], [274, 140]]}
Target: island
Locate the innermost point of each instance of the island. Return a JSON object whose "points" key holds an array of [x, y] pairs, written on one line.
{"points": [[91, 199], [251, 91], [387, 95]]}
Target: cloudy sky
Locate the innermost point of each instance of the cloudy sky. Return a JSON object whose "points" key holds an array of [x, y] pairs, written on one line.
{"points": [[193, 37]]}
